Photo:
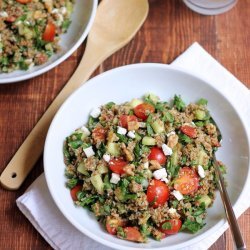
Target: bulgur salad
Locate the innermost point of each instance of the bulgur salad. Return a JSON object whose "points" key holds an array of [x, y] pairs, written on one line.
{"points": [[145, 167], [29, 31]]}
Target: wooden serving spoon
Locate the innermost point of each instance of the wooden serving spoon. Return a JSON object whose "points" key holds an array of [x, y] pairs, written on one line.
{"points": [[116, 23]]}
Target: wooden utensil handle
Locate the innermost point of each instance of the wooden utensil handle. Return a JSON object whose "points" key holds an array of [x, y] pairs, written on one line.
{"points": [[31, 149]]}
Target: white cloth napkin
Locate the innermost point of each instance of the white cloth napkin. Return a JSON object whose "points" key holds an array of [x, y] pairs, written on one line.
{"points": [[37, 205]]}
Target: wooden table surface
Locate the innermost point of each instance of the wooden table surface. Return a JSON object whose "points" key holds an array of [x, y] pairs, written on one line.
{"points": [[169, 29]]}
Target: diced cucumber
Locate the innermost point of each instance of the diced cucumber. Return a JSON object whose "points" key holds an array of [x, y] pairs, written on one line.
{"points": [[158, 126], [154, 98], [114, 149], [102, 169], [137, 137], [175, 155], [135, 102], [82, 169], [147, 173], [200, 115], [148, 141], [49, 47], [119, 194], [97, 182], [205, 199], [202, 158]]}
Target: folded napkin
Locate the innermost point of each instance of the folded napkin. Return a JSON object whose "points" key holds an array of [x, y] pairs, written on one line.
{"points": [[37, 204]]}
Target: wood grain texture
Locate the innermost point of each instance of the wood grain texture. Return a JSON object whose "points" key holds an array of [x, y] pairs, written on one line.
{"points": [[168, 31]]}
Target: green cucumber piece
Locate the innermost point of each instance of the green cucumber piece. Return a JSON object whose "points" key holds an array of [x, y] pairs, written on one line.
{"points": [[148, 141], [154, 98], [200, 115], [102, 169], [135, 102], [114, 149], [206, 200], [97, 182], [82, 169], [158, 126], [202, 158]]}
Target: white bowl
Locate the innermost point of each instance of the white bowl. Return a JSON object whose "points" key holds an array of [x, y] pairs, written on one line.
{"points": [[123, 84], [82, 20]]}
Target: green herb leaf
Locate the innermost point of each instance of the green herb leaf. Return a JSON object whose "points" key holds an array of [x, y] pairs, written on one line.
{"points": [[202, 101], [101, 150], [185, 139], [75, 144], [179, 103], [109, 105], [71, 183], [192, 226], [167, 116]]}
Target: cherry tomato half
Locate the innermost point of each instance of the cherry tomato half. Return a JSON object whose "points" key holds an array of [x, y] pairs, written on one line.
{"points": [[158, 155], [113, 223], [24, 1], [133, 234], [187, 181], [49, 32], [74, 191], [143, 110], [157, 193], [99, 134], [189, 131], [116, 165], [171, 226], [125, 119]]}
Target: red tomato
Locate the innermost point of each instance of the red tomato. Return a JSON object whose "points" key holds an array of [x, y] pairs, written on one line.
{"points": [[99, 134], [175, 226], [125, 119], [133, 234], [112, 224], [189, 131], [49, 33], [116, 165], [157, 193], [143, 110], [158, 155], [74, 191], [187, 181], [24, 1]]}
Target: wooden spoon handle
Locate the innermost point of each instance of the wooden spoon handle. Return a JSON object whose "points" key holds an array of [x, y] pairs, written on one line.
{"points": [[31, 149]]}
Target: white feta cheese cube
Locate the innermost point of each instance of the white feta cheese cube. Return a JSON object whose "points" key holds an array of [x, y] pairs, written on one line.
{"points": [[166, 180], [89, 151], [95, 112], [106, 157], [121, 130], [171, 133], [166, 149], [177, 195], [131, 134], [201, 171], [160, 173], [85, 130], [115, 178]]}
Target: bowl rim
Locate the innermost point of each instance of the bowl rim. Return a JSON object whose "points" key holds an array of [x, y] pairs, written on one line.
{"points": [[61, 58], [219, 225]]}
